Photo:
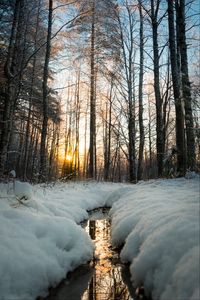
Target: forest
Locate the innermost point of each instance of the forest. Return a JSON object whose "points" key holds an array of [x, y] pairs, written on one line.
{"points": [[99, 149], [99, 89]]}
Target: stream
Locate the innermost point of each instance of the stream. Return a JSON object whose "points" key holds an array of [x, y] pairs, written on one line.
{"points": [[105, 277]]}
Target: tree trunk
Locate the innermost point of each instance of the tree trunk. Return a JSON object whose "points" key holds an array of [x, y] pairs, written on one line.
{"points": [[31, 98], [186, 89], [77, 154], [128, 57], [43, 161], [176, 90], [92, 147], [131, 133], [107, 143], [34, 155], [51, 172], [141, 145], [159, 116], [85, 164], [150, 140], [10, 90]]}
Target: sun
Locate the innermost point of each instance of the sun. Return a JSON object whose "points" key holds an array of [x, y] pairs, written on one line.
{"points": [[68, 157]]}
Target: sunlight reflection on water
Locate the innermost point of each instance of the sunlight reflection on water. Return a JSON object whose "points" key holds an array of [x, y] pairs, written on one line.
{"points": [[105, 278], [106, 282]]}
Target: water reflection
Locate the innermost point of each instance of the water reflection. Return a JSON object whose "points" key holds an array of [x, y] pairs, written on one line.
{"points": [[106, 282], [104, 278], [73, 287]]}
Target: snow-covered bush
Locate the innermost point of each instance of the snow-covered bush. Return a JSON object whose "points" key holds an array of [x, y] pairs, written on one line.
{"points": [[23, 190]]}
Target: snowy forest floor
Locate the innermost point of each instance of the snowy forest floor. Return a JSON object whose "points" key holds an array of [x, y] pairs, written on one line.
{"points": [[156, 222]]}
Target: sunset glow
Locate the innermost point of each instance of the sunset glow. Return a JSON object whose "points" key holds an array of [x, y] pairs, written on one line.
{"points": [[68, 157]]}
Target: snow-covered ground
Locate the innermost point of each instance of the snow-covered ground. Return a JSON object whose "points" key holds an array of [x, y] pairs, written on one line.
{"points": [[159, 222], [40, 240], [156, 221]]}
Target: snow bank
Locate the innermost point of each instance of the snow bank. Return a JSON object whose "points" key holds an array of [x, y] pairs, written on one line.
{"points": [[36, 251], [158, 223], [40, 240]]}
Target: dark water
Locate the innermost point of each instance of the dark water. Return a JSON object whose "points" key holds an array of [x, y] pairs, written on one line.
{"points": [[105, 278]]}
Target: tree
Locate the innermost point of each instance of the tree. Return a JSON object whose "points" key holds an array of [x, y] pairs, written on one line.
{"points": [[43, 166], [107, 134], [159, 103], [13, 73], [92, 147], [99, 26], [124, 83], [126, 29], [33, 81], [176, 89], [140, 96], [186, 88]]}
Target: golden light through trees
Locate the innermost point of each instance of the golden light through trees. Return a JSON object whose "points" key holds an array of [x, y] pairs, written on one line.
{"points": [[94, 61], [69, 157]]}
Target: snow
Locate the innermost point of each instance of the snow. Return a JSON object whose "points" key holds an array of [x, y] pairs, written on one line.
{"points": [[156, 222], [40, 239], [23, 190], [158, 225]]}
